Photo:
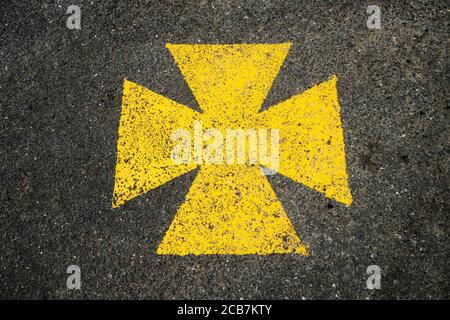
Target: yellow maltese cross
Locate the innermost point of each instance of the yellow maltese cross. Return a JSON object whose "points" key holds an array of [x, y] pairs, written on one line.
{"points": [[231, 208]]}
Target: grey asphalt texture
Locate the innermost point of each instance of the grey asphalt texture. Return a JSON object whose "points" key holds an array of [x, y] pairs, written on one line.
{"points": [[60, 109]]}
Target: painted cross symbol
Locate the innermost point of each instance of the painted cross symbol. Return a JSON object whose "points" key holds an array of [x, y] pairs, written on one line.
{"points": [[231, 209]]}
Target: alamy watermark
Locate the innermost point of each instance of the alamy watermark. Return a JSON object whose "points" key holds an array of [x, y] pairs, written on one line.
{"points": [[374, 20], [74, 280], [229, 146], [74, 20], [374, 279]]}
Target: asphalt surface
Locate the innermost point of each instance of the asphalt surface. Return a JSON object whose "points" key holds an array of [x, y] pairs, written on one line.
{"points": [[60, 109]]}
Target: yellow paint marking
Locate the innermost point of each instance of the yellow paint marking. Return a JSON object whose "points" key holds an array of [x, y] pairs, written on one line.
{"points": [[312, 141], [230, 82], [231, 208], [144, 147]]}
